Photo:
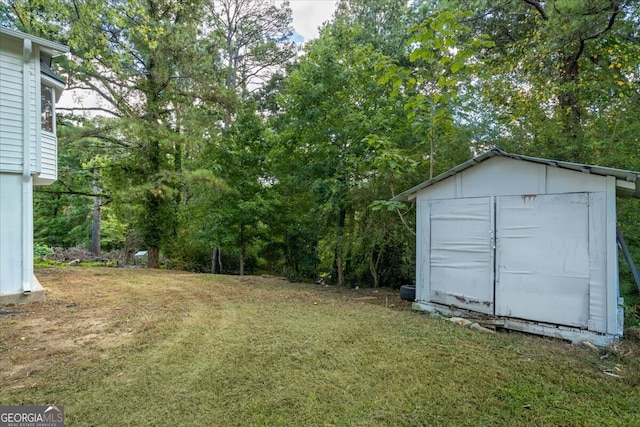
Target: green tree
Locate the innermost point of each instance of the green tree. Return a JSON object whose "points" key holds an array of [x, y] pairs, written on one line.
{"points": [[239, 214], [557, 67], [257, 39], [330, 104], [256, 43], [124, 52], [62, 211], [381, 24], [444, 62]]}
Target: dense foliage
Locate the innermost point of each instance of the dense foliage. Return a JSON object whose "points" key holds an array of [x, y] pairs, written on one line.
{"points": [[223, 149]]}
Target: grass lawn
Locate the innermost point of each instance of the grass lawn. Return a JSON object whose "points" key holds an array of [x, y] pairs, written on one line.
{"points": [[122, 347]]}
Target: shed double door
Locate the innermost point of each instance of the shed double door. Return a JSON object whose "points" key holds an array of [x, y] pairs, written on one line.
{"points": [[518, 256]]}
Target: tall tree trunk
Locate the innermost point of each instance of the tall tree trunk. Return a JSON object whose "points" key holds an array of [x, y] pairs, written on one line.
{"points": [[339, 265], [570, 108], [432, 138], [180, 195], [157, 224], [374, 261], [339, 261], [153, 257], [242, 250], [216, 261], [97, 215]]}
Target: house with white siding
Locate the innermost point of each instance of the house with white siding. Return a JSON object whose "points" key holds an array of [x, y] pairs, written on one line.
{"points": [[29, 91]]}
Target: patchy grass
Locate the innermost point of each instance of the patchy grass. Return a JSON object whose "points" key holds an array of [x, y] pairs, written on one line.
{"points": [[139, 347]]}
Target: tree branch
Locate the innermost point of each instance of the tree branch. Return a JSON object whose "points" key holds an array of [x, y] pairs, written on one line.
{"points": [[612, 20], [539, 7], [46, 190], [404, 221], [104, 110]]}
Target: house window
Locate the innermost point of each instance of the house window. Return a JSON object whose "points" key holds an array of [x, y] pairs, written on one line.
{"points": [[47, 99]]}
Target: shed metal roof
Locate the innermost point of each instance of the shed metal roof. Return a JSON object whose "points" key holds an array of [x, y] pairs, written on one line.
{"points": [[628, 183]]}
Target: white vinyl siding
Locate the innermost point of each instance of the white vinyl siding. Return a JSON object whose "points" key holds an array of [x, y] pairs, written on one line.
{"points": [[49, 172], [34, 111], [11, 117], [11, 106]]}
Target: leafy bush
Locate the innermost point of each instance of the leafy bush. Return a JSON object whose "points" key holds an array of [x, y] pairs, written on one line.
{"points": [[629, 291], [41, 251]]}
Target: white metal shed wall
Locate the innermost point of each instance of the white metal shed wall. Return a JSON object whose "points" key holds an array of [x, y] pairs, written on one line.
{"points": [[512, 186]]}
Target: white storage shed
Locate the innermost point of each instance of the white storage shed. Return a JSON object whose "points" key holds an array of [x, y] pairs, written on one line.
{"points": [[28, 152], [527, 243]]}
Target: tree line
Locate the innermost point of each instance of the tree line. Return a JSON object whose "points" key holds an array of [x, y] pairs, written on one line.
{"points": [[207, 136]]}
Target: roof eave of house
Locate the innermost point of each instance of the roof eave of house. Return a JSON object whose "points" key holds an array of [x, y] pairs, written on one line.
{"points": [[52, 48]]}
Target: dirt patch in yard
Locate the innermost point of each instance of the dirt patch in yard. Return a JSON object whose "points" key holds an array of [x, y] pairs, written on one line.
{"points": [[89, 311]]}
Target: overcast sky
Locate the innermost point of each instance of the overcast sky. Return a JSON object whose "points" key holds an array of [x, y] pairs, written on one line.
{"points": [[308, 15]]}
